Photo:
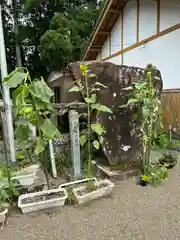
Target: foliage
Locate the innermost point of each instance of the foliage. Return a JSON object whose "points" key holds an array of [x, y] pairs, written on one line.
{"points": [[51, 33], [146, 98], [157, 173], [39, 94], [168, 159], [145, 178], [6, 171], [63, 161], [174, 144], [161, 140], [89, 92], [8, 192], [70, 200]]}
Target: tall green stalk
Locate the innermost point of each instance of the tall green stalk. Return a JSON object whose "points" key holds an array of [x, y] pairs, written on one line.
{"points": [[89, 91], [89, 168], [39, 94]]}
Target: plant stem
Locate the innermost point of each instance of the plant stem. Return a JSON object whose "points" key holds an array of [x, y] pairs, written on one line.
{"points": [[89, 169], [40, 135], [149, 122]]}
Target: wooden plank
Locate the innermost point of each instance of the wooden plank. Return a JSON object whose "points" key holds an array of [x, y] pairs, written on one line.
{"points": [[122, 37], [98, 28], [75, 146], [103, 33], [170, 106], [137, 23], [158, 15], [114, 11]]}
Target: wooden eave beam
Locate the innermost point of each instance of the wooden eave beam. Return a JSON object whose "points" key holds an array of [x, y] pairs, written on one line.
{"points": [[103, 33], [114, 11], [94, 49]]}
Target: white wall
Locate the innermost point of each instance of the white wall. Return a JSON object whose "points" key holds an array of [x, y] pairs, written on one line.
{"points": [[115, 60], [130, 26], [147, 18], [164, 53], [105, 50], [170, 13], [98, 56], [116, 37]]}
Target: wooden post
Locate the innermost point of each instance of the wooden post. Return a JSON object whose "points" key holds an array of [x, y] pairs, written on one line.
{"points": [[53, 163], [75, 146]]}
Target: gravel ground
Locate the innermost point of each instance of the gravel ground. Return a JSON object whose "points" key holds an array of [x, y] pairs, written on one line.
{"points": [[133, 213]]}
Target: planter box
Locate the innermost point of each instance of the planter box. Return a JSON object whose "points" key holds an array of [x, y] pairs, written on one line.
{"points": [[25, 179], [35, 206], [3, 216], [101, 192]]}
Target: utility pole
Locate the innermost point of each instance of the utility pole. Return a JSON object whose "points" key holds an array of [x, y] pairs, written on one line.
{"points": [[6, 94], [16, 28]]}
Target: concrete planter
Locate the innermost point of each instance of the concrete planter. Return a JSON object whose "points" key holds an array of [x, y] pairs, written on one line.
{"points": [[106, 190], [3, 216], [44, 204]]}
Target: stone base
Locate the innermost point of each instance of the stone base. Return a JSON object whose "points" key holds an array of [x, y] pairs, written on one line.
{"points": [[117, 175]]}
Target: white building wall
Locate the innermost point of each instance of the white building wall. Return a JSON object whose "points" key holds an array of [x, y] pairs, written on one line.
{"points": [[164, 53], [116, 37], [115, 60], [170, 13], [98, 56], [105, 50], [130, 26], [147, 18]]}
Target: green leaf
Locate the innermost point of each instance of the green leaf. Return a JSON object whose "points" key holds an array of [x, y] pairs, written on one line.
{"points": [[93, 98], [20, 95], [98, 128], [132, 100], [40, 145], [140, 86], [147, 101], [22, 132], [135, 116], [20, 156], [88, 100], [127, 88], [83, 115], [40, 105], [83, 139], [145, 112], [15, 78], [96, 144], [123, 106], [77, 81], [49, 130], [75, 89], [100, 84], [83, 69], [92, 75], [27, 109], [95, 89], [40, 90], [101, 108]]}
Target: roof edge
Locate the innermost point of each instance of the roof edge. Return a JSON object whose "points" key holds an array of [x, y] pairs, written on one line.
{"points": [[104, 11]]}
